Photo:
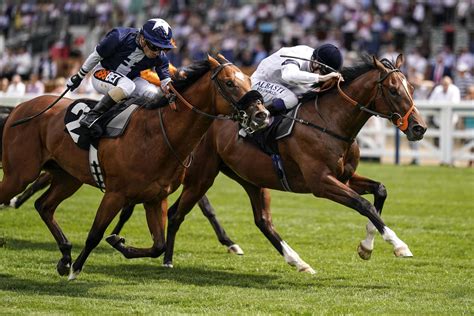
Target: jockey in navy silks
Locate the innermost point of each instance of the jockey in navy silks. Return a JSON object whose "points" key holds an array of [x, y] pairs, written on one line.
{"points": [[117, 62], [281, 78]]}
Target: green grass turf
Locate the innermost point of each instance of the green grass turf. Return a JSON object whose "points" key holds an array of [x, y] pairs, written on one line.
{"points": [[430, 208]]}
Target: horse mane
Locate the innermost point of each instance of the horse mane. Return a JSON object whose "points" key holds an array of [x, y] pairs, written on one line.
{"points": [[350, 74], [185, 77]]}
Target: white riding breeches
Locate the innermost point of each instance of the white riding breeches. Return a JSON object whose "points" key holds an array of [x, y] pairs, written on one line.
{"points": [[271, 91], [104, 80]]}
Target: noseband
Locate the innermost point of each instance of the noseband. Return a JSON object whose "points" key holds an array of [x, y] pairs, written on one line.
{"points": [[396, 118]]}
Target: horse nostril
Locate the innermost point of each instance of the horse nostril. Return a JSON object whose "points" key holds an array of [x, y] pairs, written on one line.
{"points": [[419, 130], [261, 115]]}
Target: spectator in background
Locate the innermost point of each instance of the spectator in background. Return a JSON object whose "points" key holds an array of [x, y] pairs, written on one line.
{"points": [[469, 121], [4, 82], [59, 84], [23, 62], [447, 92], [16, 87], [35, 86], [439, 69], [47, 67], [463, 80]]}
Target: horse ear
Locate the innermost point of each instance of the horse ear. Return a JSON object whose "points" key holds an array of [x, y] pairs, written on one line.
{"points": [[400, 60], [378, 64], [214, 63], [222, 58]]}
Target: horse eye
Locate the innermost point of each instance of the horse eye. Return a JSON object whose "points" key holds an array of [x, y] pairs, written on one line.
{"points": [[393, 91], [229, 83]]}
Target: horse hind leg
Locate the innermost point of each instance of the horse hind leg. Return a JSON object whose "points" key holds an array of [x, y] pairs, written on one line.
{"points": [[42, 182], [260, 200], [125, 215], [109, 207], [62, 186], [14, 183], [208, 211], [156, 224]]}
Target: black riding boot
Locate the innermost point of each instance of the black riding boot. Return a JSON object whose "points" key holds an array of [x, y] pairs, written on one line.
{"points": [[88, 121]]}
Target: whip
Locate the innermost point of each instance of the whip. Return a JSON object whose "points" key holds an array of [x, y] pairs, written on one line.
{"points": [[29, 118]]}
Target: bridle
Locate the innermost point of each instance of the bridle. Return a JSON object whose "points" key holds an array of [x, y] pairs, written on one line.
{"points": [[238, 114], [396, 118]]}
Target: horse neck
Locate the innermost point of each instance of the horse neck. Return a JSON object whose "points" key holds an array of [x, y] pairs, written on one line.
{"points": [[185, 128], [345, 118]]}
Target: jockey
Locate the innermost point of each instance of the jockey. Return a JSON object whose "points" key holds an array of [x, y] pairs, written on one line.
{"points": [[117, 62], [281, 78]]}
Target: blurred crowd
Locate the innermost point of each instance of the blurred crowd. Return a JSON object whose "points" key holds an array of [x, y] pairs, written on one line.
{"points": [[44, 42]]}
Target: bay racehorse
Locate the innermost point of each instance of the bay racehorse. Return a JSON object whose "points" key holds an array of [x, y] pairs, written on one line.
{"points": [[320, 157], [144, 166]]}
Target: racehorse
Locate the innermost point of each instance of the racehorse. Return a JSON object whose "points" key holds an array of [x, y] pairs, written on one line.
{"points": [[320, 157], [144, 166]]}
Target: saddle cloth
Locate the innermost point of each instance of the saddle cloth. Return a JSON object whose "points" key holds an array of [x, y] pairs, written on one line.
{"points": [[113, 122]]}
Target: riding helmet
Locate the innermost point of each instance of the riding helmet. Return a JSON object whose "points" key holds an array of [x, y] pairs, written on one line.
{"points": [[328, 54], [158, 32]]}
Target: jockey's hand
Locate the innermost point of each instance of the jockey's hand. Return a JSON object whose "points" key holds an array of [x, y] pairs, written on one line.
{"points": [[330, 76], [165, 86], [74, 82]]}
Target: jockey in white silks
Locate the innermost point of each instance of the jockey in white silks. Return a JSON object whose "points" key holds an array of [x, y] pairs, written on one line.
{"points": [[281, 78]]}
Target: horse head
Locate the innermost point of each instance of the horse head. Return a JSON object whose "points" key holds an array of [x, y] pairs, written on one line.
{"points": [[394, 99], [234, 89]]}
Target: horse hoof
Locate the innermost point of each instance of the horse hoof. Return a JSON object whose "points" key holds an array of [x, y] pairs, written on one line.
{"points": [[403, 252], [73, 275], [63, 268], [235, 249], [113, 240], [13, 202], [168, 265], [307, 269], [363, 252]]}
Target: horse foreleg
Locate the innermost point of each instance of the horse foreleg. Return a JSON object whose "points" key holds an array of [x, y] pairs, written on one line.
{"points": [[156, 218], [62, 186], [42, 182], [125, 214], [109, 207], [363, 185], [333, 189], [210, 214]]}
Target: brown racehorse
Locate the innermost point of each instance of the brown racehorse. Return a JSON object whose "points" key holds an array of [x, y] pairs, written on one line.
{"points": [[321, 161], [142, 166]]}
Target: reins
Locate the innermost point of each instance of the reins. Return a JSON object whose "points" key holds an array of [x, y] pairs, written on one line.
{"points": [[175, 154], [238, 114], [401, 121]]}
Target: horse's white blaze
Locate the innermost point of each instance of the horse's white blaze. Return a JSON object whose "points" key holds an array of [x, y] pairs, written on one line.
{"points": [[293, 259], [405, 84], [368, 242], [240, 75]]}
